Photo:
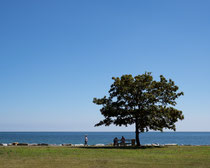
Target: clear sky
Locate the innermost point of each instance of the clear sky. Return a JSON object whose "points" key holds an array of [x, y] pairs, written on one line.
{"points": [[56, 55]]}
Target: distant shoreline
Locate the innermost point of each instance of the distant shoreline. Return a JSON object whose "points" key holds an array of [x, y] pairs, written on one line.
{"points": [[180, 138], [82, 145]]}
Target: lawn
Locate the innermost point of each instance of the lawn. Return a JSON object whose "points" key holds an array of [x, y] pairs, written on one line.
{"points": [[101, 157]]}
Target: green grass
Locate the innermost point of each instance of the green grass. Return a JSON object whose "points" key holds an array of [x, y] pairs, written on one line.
{"points": [[105, 157]]}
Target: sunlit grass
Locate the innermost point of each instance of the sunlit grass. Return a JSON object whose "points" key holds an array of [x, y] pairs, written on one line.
{"points": [[90, 157]]}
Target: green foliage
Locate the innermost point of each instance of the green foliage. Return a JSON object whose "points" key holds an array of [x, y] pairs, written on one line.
{"points": [[142, 101]]}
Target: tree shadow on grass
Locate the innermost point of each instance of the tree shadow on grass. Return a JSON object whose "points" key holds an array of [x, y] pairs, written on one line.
{"points": [[121, 147]]}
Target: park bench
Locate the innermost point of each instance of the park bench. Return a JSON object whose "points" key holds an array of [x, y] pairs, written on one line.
{"points": [[128, 142]]}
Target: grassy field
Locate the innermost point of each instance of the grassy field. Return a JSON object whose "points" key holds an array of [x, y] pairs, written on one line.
{"points": [[92, 157]]}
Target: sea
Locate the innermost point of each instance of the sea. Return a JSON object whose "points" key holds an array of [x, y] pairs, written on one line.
{"points": [[180, 138]]}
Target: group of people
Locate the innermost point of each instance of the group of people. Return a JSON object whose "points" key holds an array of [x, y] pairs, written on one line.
{"points": [[122, 141]]}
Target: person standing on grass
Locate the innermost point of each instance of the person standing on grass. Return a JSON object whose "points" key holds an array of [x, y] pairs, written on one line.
{"points": [[86, 140]]}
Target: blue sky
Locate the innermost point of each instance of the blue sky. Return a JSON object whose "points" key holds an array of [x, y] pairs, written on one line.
{"points": [[55, 56]]}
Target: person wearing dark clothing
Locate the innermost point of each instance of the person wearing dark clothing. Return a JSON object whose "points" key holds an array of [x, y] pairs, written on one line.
{"points": [[115, 141], [123, 141], [86, 140]]}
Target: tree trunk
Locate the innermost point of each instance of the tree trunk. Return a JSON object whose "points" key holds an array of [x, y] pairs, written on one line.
{"points": [[137, 135]]}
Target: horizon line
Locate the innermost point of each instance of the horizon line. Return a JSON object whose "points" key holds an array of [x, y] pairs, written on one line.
{"points": [[104, 131]]}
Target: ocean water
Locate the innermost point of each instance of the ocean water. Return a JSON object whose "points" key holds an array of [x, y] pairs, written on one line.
{"points": [[181, 138]]}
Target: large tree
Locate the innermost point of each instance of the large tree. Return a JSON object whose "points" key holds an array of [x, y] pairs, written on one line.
{"points": [[143, 101]]}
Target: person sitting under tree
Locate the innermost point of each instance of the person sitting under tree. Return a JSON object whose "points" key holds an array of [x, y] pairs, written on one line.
{"points": [[115, 141], [123, 141]]}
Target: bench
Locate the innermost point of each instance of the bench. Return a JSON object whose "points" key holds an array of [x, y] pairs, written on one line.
{"points": [[128, 142]]}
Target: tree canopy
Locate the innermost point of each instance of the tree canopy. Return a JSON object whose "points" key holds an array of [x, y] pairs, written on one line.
{"points": [[143, 101]]}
